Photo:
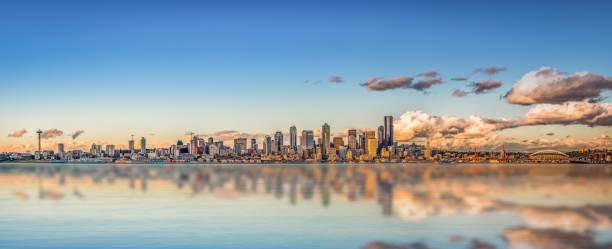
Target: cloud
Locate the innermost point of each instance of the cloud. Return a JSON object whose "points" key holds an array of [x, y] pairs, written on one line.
{"points": [[18, 133], [51, 133], [76, 134], [548, 85], [426, 83], [591, 114], [460, 78], [381, 84], [459, 93], [429, 74], [476, 131], [419, 124], [491, 70], [485, 86], [335, 79], [312, 81]]}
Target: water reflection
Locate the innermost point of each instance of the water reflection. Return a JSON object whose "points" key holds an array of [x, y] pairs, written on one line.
{"points": [[559, 206]]}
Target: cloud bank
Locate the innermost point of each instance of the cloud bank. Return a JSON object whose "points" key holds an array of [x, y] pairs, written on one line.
{"points": [[548, 85], [491, 70], [485, 86]]}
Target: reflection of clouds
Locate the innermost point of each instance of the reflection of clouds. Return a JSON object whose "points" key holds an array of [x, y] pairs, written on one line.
{"points": [[527, 238], [578, 220]]}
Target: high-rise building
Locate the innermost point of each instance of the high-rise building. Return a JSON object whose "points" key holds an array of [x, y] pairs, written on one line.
{"points": [[325, 135], [352, 139], [143, 146], [388, 138], [307, 139], [293, 137], [372, 145], [369, 137], [254, 145], [268, 145], [278, 139], [240, 146], [380, 136], [131, 145], [361, 141], [338, 142], [110, 150], [60, 149]]}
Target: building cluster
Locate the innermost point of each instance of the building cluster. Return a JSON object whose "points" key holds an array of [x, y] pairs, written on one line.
{"points": [[355, 146]]}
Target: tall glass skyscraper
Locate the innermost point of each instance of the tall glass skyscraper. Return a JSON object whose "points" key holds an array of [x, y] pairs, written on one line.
{"points": [[388, 139], [293, 137], [325, 138], [352, 139], [307, 139], [278, 139]]}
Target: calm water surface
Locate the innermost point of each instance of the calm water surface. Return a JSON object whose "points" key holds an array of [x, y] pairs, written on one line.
{"points": [[305, 206]]}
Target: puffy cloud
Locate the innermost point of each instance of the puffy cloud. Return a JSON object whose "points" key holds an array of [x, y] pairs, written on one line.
{"points": [[491, 70], [18, 133], [419, 124], [548, 85], [426, 83], [459, 93], [475, 131], [76, 134], [429, 74], [381, 84], [485, 86], [51, 133], [460, 78], [336, 79], [591, 114]]}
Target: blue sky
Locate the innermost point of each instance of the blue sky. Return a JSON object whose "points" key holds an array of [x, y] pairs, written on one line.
{"points": [[114, 68]]}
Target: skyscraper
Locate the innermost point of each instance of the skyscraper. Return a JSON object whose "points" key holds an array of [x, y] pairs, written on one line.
{"points": [[240, 145], [60, 149], [325, 138], [370, 140], [278, 139], [254, 145], [268, 145], [143, 146], [388, 138], [380, 136], [131, 145], [338, 142], [293, 137], [352, 139], [307, 139]]}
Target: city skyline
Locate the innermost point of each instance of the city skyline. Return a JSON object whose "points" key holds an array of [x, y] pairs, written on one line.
{"points": [[87, 73]]}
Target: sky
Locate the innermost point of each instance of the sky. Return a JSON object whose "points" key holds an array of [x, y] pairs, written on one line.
{"points": [[159, 69]]}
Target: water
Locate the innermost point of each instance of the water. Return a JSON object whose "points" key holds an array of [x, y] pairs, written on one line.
{"points": [[305, 206]]}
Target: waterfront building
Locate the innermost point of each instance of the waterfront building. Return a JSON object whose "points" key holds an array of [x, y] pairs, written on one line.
{"points": [[110, 150], [352, 139], [131, 145], [240, 146], [338, 142], [293, 137], [254, 146], [143, 146], [307, 139], [370, 135], [278, 138], [268, 145], [325, 136], [60, 149], [388, 131]]}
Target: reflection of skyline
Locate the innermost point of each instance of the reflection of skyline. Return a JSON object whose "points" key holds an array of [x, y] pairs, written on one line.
{"points": [[410, 193]]}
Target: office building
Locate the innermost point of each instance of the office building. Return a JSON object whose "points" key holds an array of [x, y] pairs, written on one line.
{"points": [[278, 139], [240, 146], [352, 139], [293, 137], [388, 137], [325, 136], [307, 139], [338, 142], [143, 146]]}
